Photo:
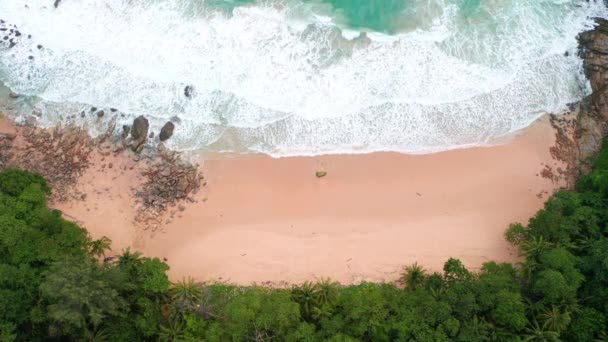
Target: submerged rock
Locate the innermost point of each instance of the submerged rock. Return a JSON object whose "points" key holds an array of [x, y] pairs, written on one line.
{"points": [[188, 91], [125, 130], [320, 174], [167, 131]]}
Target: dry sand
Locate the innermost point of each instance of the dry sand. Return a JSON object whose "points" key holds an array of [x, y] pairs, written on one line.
{"points": [[260, 219]]}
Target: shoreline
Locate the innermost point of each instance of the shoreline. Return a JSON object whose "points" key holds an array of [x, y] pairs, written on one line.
{"points": [[260, 220]]}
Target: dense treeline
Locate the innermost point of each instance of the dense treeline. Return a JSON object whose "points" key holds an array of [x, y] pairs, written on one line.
{"points": [[53, 286]]}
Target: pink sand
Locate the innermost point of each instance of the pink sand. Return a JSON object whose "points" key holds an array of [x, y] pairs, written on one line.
{"points": [[261, 219]]}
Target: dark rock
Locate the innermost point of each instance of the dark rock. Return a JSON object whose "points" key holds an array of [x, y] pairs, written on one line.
{"points": [[139, 132], [151, 136], [30, 57], [113, 110], [100, 114], [125, 130], [57, 2], [320, 174], [13, 95], [188, 91], [175, 119], [39, 47], [167, 131], [93, 109]]}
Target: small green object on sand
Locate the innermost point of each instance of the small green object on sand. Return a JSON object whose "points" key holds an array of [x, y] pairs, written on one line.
{"points": [[320, 174]]}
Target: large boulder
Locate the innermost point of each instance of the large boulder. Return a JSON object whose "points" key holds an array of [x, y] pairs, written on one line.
{"points": [[139, 131], [167, 131]]}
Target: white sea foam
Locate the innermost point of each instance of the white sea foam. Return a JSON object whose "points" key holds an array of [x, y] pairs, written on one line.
{"points": [[283, 79]]}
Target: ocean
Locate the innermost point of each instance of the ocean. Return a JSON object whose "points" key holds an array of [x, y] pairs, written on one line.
{"points": [[298, 77]]}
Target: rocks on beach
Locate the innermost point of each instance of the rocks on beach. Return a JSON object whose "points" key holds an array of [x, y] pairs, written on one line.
{"points": [[167, 131], [139, 132], [63, 154]]}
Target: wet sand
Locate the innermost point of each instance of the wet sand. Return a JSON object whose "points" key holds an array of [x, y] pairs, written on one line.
{"points": [[260, 219]]}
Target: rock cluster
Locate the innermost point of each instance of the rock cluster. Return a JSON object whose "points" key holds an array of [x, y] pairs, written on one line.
{"points": [[169, 179], [60, 155]]}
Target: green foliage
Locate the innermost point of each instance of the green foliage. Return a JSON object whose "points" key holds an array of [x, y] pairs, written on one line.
{"points": [[258, 313], [79, 295], [13, 182]]}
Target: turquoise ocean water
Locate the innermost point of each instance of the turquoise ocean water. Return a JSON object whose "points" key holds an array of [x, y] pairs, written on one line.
{"points": [[300, 77]]}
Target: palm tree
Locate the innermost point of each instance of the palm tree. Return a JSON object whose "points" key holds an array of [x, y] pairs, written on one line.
{"points": [[536, 333], [413, 276], [186, 295], [327, 292], [305, 295], [100, 246], [534, 246], [173, 331], [206, 308], [129, 260], [555, 320], [527, 268], [99, 335]]}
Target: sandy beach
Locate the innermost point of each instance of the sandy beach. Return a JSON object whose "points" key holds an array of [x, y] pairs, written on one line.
{"points": [[264, 220]]}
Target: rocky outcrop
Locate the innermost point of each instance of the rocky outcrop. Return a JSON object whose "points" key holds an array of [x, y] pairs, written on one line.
{"points": [[139, 132], [592, 118], [169, 180], [167, 131]]}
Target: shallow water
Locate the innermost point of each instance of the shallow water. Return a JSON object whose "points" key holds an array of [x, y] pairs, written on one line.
{"points": [[287, 77]]}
